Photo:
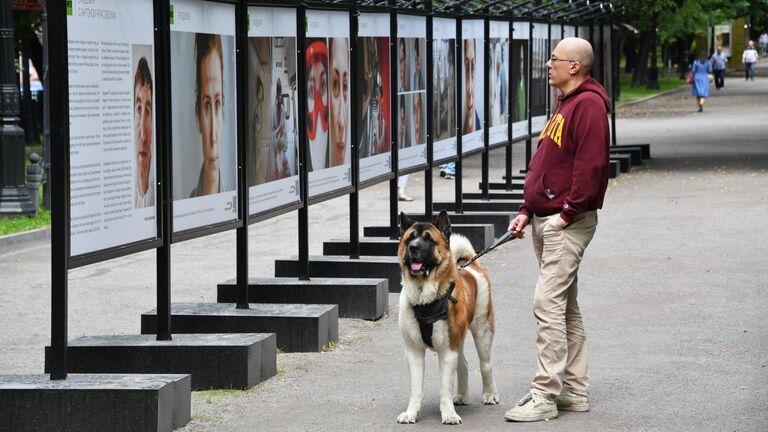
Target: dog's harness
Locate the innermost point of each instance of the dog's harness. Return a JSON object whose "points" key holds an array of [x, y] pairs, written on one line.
{"points": [[428, 314]]}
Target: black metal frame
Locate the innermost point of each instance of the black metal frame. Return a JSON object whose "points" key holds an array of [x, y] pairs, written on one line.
{"points": [[445, 15], [202, 231], [289, 207], [360, 9], [420, 13]]}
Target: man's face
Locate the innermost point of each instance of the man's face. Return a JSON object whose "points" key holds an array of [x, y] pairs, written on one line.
{"points": [[339, 99], [211, 111], [142, 124], [559, 66], [417, 115], [469, 80]]}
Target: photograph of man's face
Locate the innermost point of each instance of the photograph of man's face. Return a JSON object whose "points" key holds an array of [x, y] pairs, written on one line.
{"points": [[142, 126], [418, 123], [210, 108], [402, 63], [469, 85], [317, 102], [519, 87], [339, 88], [373, 105]]}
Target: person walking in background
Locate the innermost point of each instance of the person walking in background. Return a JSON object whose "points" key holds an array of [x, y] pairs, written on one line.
{"points": [[749, 58], [700, 69], [762, 42], [719, 62]]}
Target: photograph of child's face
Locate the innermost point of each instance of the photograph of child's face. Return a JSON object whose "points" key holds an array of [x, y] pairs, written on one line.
{"points": [[339, 92], [317, 102]]}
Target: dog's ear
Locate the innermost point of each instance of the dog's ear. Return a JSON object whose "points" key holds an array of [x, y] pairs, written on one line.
{"points": [[405, 222], [444, 224]]}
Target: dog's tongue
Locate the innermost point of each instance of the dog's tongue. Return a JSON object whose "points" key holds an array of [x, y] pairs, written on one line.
{"points": [[416, 266]]}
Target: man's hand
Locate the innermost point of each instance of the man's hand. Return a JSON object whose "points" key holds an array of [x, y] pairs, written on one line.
{"points": [[517, 225], [561, 223]]}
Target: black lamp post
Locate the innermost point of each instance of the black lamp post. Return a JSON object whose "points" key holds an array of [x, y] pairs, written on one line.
{"points": [[653, 71], [14, 199]]}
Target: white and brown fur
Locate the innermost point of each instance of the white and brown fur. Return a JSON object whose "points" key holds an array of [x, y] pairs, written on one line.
{"points": [[436, 258]]}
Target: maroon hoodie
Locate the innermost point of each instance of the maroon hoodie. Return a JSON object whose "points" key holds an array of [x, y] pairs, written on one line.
{"points": [[569, 172]]}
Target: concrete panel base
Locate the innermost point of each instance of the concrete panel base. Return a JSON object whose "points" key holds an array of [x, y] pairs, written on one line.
{"points": [[517, 184], [480, 206], [613, 169], [499, 220], [644, 148], [299, 328], [481, 235], [337, 266], [357, 298], [635, 153], [217, 361], [370, 246], [625, 161], [495, 195], [87, 403]]}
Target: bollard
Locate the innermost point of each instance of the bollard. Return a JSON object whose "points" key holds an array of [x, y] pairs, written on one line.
{"points": [[34, 178]]}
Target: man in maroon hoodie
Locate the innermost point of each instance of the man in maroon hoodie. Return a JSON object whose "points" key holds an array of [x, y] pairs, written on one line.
{"points": [[564, 187]]}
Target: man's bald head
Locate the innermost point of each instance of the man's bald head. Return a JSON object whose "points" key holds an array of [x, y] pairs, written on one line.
{"points": [[580, 50]]}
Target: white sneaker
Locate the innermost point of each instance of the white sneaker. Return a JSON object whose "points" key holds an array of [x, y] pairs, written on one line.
{"points": [[532, 407], [570, 401]]}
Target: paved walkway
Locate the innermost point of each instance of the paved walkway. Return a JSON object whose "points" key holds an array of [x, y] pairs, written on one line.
{"points": [[673, 291]]}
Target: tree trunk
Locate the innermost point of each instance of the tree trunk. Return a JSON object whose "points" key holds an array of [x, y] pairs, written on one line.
{"points": [[630, 52], [640, 73]]}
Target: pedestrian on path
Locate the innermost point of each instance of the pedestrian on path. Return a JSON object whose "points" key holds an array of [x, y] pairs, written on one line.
{"points": [[762, 42], [749, 58], [562, 206], [719, 63], [701, 68]]}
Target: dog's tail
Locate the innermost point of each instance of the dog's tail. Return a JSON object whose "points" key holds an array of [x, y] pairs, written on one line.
{"points": [[461, 248]]}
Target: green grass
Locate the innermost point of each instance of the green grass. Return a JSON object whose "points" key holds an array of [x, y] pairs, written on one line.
{"points": [[633, 93], [16, 224]]}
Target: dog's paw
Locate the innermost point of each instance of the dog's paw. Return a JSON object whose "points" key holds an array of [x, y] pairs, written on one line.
{"points": [[451, 418], [459, 399], [490, 398], [406, 417]]}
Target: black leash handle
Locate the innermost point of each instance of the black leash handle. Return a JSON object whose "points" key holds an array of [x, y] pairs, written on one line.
{"points": [[508, 236]]}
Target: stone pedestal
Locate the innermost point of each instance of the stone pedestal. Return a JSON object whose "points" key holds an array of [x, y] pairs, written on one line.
{"points": [[336, 266], [218, 361], [84, 403], [299, 328], [356, 298]]}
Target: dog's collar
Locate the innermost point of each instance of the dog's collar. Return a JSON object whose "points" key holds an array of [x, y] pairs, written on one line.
{"points": [[428, 314]]}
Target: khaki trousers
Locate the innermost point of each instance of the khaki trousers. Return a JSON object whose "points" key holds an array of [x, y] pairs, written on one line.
{"points": [[561, 341]]}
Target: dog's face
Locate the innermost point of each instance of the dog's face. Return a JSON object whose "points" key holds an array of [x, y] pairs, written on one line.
{"points": [[423, 246]]}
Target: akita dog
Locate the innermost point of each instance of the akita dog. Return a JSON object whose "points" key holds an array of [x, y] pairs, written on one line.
{"points": [[438, 304]]}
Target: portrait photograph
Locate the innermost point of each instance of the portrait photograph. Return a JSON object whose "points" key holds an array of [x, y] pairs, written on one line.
{"points": [[405, 121], [204, 121], [318, 102], [339, 81], [444, 89], [499, 81], [539, 78], [472, 79], [272, 108], [519, 79], [143, 126], [374, 96]]}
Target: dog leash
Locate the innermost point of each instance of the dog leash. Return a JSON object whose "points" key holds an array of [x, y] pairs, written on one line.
{"points": [[508, 236]]}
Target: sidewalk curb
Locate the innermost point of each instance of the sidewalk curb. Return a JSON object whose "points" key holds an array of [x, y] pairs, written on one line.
{"points": [[14, 241], [637, 101]]}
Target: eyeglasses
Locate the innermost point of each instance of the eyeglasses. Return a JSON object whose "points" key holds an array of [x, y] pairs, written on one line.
{"points": [[553, 59]]}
